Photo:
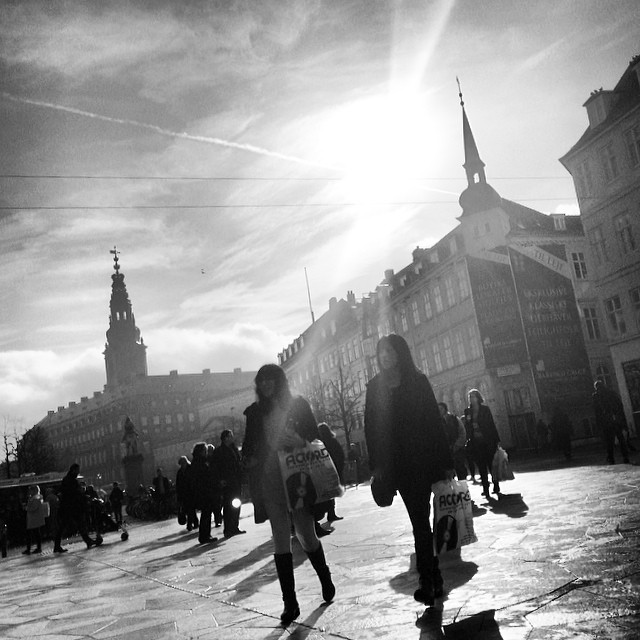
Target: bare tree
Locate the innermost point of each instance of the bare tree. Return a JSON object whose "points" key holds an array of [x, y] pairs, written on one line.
{"points": [[343, 402], [11, 427], [35, 452], [315, 393]]}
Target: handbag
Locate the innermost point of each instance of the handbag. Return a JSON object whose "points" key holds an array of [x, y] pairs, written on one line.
{"points": [[500, 469], [382, 492], [309, 476], [45, 509], [452, 516]]}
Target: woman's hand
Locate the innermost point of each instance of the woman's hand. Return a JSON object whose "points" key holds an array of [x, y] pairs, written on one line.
{"points": [[291, 440]]}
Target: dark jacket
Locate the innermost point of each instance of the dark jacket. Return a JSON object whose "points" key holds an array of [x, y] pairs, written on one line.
{"points": [[404, 432], [203, 482], [228, 466], [487, 426], [72, 497], [166, 486], [337, 455], [116, 496], [184, 486], [299, 418], [608, 409]]}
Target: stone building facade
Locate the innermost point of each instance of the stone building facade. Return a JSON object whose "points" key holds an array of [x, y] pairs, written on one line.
{"points": [[493, 305], [605, 166], [170, 412]]}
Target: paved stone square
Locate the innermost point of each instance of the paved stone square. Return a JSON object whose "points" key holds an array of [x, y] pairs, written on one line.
{"points": [[558, 556]]}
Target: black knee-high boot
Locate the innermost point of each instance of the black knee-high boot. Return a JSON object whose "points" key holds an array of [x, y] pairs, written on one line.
{"points": [[319, 563], [284, 566]]}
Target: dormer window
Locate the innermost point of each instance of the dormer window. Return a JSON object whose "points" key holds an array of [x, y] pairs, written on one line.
{"points": [[598, 106], [559, 222]]}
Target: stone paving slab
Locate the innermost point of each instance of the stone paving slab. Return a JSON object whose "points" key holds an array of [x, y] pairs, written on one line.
{"points": [[558, 556]]}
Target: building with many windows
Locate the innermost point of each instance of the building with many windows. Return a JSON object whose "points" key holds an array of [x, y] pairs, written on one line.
{"points": [[494, 305], [605, 166], [170, 412]]}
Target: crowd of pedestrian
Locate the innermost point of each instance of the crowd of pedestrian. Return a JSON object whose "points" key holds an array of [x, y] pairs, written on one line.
{"points": [[412, 442]]}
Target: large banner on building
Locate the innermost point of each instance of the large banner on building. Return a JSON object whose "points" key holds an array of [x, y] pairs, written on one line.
{"points": [[552, 326], [496, 305]]}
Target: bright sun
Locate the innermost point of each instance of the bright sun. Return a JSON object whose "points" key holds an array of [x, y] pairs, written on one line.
{"points": [[381, 144]]}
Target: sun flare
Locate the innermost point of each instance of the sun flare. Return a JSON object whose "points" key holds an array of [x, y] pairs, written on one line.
{"points": [[382, 144]]}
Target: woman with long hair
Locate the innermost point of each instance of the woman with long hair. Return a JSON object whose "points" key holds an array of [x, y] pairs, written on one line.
{"points": [[408, 449], [482, 438], [279, 421]]}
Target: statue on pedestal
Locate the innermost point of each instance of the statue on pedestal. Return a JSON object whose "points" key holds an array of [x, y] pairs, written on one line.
{"points": [[130, 438]]}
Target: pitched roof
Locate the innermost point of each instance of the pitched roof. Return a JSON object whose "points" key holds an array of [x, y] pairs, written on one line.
{"points": [[626, 96]]}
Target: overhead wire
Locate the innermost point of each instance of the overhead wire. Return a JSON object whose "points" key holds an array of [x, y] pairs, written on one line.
{"points": [[27, 176]]}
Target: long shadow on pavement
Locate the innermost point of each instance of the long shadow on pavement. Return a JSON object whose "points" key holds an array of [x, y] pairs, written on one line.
{"points": [[267, 573], [481, 626], [262, 551], [307, 626], [455, 572], [511, 504]]}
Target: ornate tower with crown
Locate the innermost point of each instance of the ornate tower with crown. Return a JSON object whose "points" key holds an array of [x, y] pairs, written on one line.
{"points": [[125, 352]]}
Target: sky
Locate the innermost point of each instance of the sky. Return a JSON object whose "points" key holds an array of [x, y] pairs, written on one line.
{"points": [[224, 147]]}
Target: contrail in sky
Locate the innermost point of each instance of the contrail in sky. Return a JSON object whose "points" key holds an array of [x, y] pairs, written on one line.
{"points": [[250, 148], [166, 132]]}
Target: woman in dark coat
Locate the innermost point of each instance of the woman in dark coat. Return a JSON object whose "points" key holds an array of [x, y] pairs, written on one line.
{"points": [[280, 422], [408, 448], [482, 438], [336, 452]]}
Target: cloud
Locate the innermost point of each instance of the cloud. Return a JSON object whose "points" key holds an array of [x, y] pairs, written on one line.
{"points": [[32, 382], [167, 50], [243, 344]]}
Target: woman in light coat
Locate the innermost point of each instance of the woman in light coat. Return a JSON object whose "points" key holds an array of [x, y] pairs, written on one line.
{"points": [[35, 519]]}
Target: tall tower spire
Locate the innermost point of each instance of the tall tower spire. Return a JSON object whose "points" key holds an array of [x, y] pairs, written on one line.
{"points": [[479, 195], [473, 165], [125, 352]]}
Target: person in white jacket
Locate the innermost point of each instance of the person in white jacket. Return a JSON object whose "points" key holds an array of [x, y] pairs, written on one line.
{"points": [[35, 519]]}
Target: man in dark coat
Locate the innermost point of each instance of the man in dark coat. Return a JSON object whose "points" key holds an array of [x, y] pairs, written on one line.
{"points": [[226, 459], [201, 478], [335, 451], [185, 493], [73, 516], [116, 498], [610, 419], [162, 487]]}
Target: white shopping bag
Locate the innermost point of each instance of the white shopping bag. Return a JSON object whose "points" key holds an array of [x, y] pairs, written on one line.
{"points": [[452, 516], [309, 476]]}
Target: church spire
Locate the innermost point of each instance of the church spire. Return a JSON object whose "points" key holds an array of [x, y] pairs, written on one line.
{"points": [[125, 351], [479, 195], [473, 165]]}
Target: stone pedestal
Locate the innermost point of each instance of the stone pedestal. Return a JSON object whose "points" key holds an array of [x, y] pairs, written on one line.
{"points": [[133, 473]]}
